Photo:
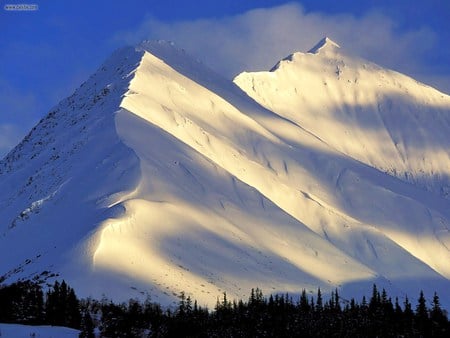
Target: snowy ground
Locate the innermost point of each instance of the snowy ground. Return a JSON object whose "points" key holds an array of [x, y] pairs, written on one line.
{"points": [[29, 331]]}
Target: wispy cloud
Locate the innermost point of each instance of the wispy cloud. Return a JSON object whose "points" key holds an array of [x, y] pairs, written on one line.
{"points": [[257, 39], [18, 114], [10, 135]]}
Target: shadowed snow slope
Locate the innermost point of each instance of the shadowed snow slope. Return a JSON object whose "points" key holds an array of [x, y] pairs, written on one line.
{"points": [[158, 175]]}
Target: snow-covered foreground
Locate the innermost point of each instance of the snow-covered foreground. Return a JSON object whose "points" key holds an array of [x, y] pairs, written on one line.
{"points": [[29, 331], [159, 176]]}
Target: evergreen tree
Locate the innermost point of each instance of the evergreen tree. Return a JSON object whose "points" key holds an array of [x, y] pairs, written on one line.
{"points": [[189, 304], [113, 320], [408, 317], [134, 319], [181, 305], [22, 302], [304, 305], [86, 326], [337, 305], [421, 317], [61, 304], [52, 309], [62, 307], [72, 314], [421, 309], [364, 303], [319, 302], [375, 301], [436, 313], [439, 322], [155, 317], [398, 316]]}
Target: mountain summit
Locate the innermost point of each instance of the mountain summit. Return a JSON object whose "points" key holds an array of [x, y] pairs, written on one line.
{"points": [[326, 44], [159, 176]]}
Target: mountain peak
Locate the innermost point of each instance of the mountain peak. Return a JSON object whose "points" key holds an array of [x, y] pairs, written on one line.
{"points": [[326, 44], [173, 55], [149, 45], [166, 50]]}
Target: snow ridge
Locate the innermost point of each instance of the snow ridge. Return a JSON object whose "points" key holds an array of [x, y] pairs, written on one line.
{"points": [[360, 110], [326, 44]]}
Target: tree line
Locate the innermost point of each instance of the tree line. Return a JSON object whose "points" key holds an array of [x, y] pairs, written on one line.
{"points": [[279, 315], [24, 302]]}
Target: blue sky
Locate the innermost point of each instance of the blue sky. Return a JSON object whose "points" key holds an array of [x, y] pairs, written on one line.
{"points": [[45, 54]]}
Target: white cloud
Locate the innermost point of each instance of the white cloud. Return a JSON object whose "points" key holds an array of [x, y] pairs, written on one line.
{"points": [[257, 39]]}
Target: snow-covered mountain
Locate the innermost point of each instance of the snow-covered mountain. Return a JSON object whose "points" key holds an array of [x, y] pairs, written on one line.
{"points": [[158, 175], [377, 116]]}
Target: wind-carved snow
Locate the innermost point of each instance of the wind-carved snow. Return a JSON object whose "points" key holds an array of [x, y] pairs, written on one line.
{"points": [[379, 117], [179, 181]]}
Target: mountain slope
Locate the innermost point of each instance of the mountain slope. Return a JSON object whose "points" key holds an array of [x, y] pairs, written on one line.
{"points": [[377, 116], [159, 175]]}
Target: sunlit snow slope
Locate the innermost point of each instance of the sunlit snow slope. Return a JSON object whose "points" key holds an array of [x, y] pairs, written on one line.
{"points": [[377, 116], [160, 176]]}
